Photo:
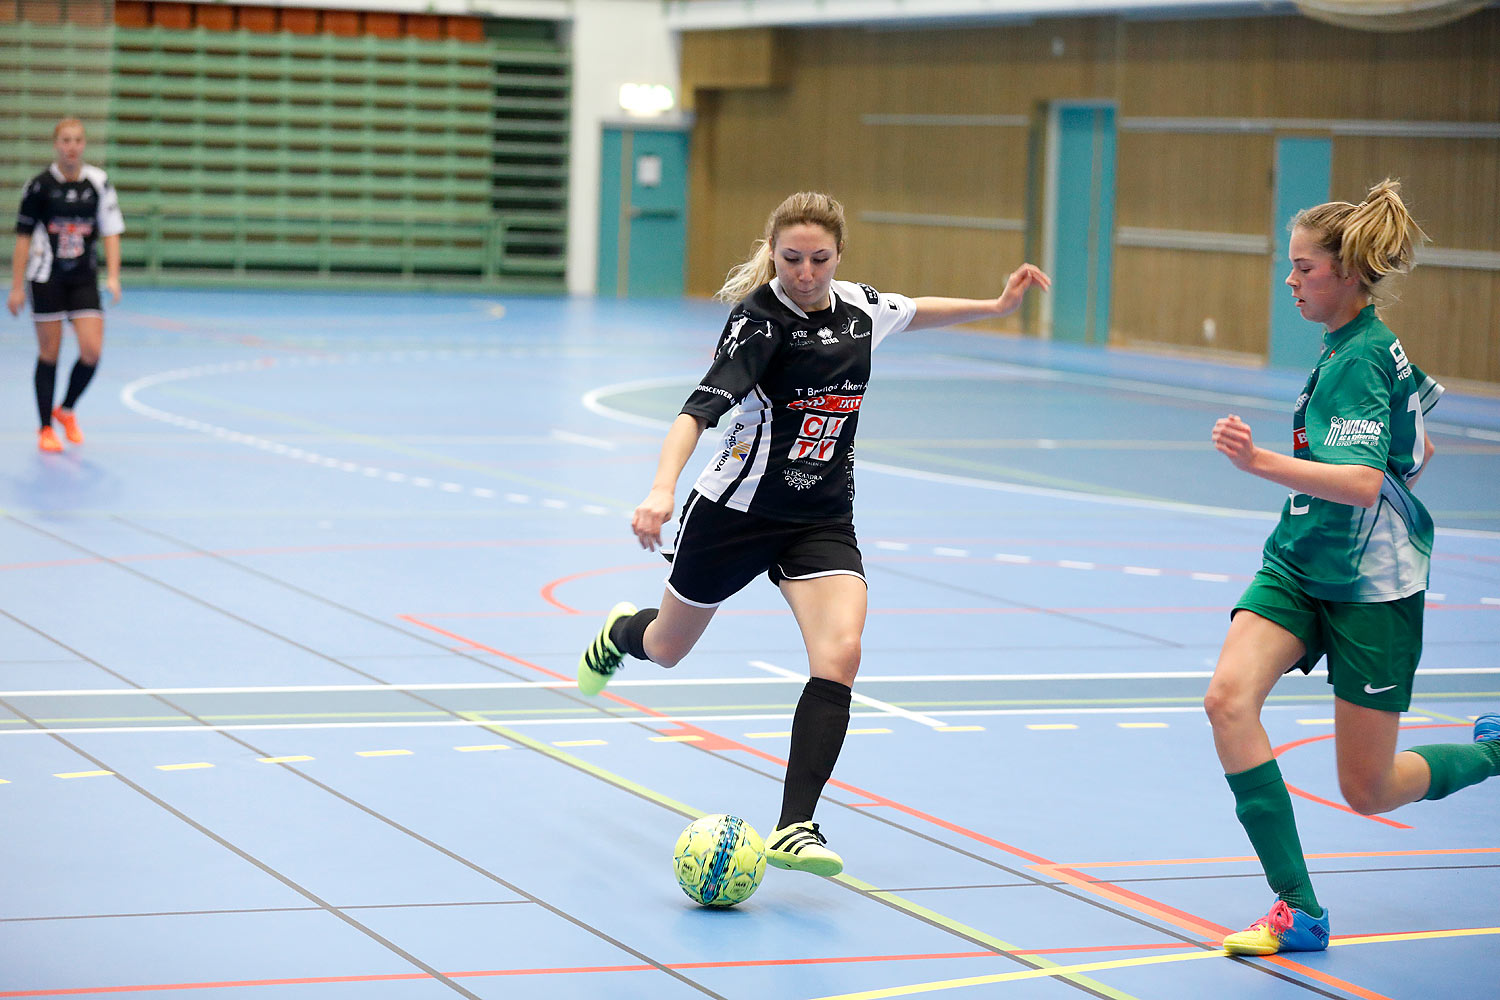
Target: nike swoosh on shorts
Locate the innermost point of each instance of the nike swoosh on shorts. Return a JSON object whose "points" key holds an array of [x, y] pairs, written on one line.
{"points": [[1370, 690]]}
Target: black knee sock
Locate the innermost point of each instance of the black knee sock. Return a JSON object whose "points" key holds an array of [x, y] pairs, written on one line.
{"points": [[45, 380], [629, 634], [818, 728], [77, 382]]}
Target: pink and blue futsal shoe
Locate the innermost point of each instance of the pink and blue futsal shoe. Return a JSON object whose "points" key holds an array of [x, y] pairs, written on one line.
{"points": [[1285, 928], [1487, 728]]}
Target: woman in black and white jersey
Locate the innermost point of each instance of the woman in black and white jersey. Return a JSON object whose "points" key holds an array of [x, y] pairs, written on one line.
{"points": [[777, 497], [65, 210]]}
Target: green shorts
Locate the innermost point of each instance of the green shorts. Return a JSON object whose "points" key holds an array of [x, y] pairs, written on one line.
{"points": [[1372, 649]]}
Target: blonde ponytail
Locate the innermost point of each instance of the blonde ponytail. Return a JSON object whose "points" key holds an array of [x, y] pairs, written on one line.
{"points": [[1373, 240], [748, 275], [803, 208]]}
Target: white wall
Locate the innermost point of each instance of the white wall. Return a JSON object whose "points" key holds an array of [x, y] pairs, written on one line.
{"points": [[614, 42]]}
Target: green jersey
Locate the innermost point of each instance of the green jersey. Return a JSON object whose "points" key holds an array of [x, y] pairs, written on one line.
{"points": [[1363, 405]]}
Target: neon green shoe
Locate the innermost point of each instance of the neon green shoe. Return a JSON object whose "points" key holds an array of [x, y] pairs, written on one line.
{"points": [[600, 661], [800, 847]]}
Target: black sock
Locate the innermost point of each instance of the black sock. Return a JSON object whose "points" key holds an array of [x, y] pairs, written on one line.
{"points": [[818, 728], [77, 382], [45, 380], [629, 634]]}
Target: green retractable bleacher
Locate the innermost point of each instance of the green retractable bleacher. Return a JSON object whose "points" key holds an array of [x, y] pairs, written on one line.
{"points": [[284, 158]]}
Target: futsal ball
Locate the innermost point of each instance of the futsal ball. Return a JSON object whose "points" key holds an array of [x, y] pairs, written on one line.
{"points": [[719, 860]]}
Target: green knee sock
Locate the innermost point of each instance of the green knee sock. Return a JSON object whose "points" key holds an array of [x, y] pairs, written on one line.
{"points": [[1264, 808], [1457, 765]]}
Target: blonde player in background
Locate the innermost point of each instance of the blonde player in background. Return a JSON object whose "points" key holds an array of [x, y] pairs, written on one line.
{"points": [[65, 211]]}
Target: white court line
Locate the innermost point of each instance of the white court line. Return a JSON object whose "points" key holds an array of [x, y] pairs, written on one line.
{"points": [[687, 681], [788, 678], [863, 699], [607, 720]]}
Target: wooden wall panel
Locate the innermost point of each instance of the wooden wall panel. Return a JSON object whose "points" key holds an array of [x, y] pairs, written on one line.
{"points": [[1453, 189], [1163, 297], [1446, 321], [738, 60], [753, 147], [1210, 183]]}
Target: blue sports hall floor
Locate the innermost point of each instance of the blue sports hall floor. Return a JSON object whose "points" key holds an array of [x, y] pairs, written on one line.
{"points": [[286, 652]]}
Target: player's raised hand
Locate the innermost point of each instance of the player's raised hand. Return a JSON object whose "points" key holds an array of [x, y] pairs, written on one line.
{"points": [[650, 516], [1024, 277], [1232, 437]]}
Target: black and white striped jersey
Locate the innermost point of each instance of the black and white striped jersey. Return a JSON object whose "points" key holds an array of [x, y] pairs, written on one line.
{"points": [[65, 220], [799, 379]]}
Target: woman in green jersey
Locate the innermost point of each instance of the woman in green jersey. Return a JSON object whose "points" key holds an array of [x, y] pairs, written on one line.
{"points": [[1345, 571]]}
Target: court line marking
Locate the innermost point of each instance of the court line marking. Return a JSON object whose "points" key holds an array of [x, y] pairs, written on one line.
{"points": [[788, 678], [129, 394], [606, 720], [575, 970], [1194, 709], [1341, 807], [1126, 963], [1329, 856], [1001, 948], [863, 699], [1130, 900]]}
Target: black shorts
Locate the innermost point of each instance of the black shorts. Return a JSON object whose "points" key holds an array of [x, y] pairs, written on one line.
{"points": [[58, 299], [720, 550]]}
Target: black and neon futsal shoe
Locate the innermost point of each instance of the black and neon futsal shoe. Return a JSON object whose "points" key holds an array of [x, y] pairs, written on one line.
{"points": [[600, 661], [801, 847]]}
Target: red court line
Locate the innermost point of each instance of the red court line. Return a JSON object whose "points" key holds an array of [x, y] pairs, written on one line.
{"points": [[1124, 897], [1278, 751], [579, 970]]}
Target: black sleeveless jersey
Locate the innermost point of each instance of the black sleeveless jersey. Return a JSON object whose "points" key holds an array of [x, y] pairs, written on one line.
{"points": [[799, 379]]}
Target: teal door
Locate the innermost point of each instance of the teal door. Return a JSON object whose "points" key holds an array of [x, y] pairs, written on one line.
{"points": [[1304, 172], [1083, 210], [642, 212]]}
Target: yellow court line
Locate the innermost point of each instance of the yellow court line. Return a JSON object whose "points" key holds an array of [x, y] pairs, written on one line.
{"points": [[866, 732], [1314, 722], [294, 759], [1126, 963], [382, 753], [198, 765], [83, 774], [766, 736], [1417, 935], [1154, 862], [1010, 977]]}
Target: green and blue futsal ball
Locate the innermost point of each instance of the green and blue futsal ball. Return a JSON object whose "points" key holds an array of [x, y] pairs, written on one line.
{"points": [[719, 860]]}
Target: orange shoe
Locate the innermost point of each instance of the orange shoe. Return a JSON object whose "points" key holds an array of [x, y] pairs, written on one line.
{"points": [[46, 440], [69, 424]]}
